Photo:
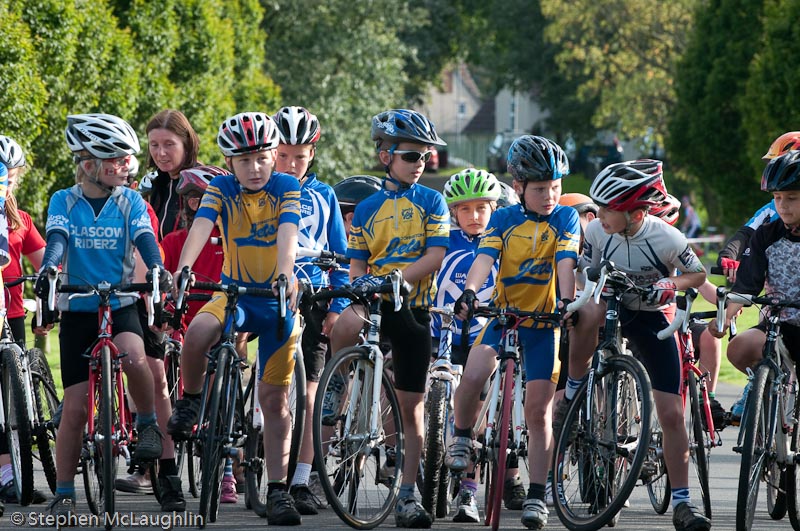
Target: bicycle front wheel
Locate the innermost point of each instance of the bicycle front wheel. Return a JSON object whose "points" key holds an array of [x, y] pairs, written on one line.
{"points": [[18, 426], [359, 471], [45, 405], [106, 434], [597, 463], [699, 441], [654, 471], [755, 449], [436, 412], [498, 447], [212, 437]]}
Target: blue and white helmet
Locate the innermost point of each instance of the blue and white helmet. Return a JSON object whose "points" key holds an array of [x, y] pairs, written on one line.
{"points": [[402, 125], [10, 153]]}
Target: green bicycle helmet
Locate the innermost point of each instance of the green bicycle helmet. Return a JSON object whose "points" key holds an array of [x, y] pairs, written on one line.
{"points": [[471, 184]]}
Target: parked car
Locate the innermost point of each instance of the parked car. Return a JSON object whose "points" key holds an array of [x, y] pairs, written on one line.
{"points": [[591, 158], [497, 154]]}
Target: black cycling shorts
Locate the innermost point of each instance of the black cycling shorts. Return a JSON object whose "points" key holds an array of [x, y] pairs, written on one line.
{"points": [[153, 343], [409, 332], [77, 334], [314, 344], [790, 335]]}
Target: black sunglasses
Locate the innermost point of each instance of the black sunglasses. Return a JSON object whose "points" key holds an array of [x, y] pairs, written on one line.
{"points": [[414, 156]]}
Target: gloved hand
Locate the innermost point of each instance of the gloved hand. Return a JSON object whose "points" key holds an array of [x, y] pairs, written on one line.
{"points": [[48, 318], [729, 263], [465, 304], [663, 293], [367, 281], [571, 318]]}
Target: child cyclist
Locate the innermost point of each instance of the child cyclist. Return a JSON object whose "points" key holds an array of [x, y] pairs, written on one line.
{"points": [[351, 191], [650, 251], [537, 245], [321, 228], [770, 264], [92, 228], [472, 196], [258, 211], [404, 226]]}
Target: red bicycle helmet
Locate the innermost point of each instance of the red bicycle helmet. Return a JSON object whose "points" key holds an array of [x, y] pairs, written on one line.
{"points": [[626, 186], [196, 179]]}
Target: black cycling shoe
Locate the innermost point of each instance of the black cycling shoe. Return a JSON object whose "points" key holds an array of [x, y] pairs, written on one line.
{"points": [[184, 417], [172, 494], [148, 446], [281, 509], [687, 517]]}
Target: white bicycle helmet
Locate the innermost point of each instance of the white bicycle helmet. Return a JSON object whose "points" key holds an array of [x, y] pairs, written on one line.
{"points": [[104, 136], [247, 132], [297, 126], [626, 186], [10, 153]]}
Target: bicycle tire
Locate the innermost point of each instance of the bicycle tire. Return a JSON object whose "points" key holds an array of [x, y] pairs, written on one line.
{"points": [[46, 403], [18, 425], [108, 424], [433, 450], [658, 484], [211, 437], [344, 459], [91, 463], [501, 437], [699, 442], [593, 479], [194, 467], [793, 471], [172, 370], [255, 480], [753, 448]]}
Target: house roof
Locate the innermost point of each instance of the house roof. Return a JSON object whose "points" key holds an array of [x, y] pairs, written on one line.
{"points": [[483, 121]]}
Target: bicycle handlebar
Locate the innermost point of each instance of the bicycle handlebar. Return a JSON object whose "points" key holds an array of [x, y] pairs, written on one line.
{"points": [[19, 280], [393, 284], [322, 254]]}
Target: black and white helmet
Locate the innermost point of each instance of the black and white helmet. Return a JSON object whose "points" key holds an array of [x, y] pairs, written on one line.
{"points": [[10, 153], [104, 136], [297, 126]]}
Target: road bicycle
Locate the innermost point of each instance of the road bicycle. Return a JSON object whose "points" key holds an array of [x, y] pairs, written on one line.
{"points": [[108, 433], [31, 400], [703, 434], [443, 379], [354, 444], [769, 431], [598, 458], [221, 429], [504, 439]]}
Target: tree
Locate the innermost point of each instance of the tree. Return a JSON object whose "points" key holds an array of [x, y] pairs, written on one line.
{"points": [[767, 109], [707, 138], [343, 60], [623, 53]]}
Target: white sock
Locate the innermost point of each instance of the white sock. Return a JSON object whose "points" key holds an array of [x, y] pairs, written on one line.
{"points": [[301, 474]]}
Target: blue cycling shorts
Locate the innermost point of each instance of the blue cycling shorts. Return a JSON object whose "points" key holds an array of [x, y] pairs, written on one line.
{"points": [[537, 345]]}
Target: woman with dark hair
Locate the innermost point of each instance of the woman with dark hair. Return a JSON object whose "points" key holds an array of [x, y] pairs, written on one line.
{"points": [[172, 146]]}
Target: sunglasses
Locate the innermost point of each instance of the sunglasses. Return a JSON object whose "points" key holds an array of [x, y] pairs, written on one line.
{"points": [[414, 156]]}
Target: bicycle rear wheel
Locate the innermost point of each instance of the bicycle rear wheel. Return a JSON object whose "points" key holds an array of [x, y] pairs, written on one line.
{"points": [[255, 472], [793, 471], [355, 469], [595, 471], [18, 425], [699, 441], [45, 405], [654, 471], [212, 438], [755, 449]]}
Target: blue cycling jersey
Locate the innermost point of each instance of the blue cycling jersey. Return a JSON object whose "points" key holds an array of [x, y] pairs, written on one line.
{"points": [[99, 247], [321, 228], [766, 214], [452, 278]]}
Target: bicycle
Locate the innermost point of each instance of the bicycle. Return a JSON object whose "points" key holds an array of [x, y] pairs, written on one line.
{"points": [[768, 436], [29, 419], [366, 430], [106, 401], [443, 380], [504, 435], [221, 428], [597, 459], [702, 432]]}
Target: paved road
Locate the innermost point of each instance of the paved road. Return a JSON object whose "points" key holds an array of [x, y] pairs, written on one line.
{"points": [[725, 472]]}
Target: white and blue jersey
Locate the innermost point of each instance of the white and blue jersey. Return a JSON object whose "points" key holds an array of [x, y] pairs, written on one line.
{"points": [[766, 214], [451, 280], [99, 247], [321, 228]]}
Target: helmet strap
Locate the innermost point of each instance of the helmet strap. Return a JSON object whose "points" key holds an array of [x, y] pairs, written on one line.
{"points": [[389, 176], [95, 179]]}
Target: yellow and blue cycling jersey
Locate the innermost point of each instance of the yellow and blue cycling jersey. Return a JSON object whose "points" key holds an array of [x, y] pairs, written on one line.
{"points": [[393, 229], [249, 224], [529, 246]]}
